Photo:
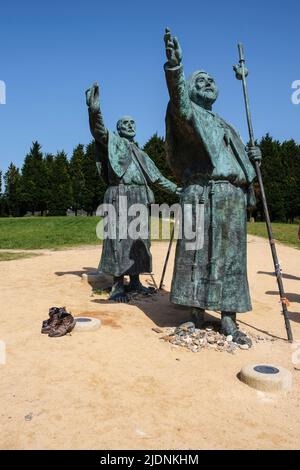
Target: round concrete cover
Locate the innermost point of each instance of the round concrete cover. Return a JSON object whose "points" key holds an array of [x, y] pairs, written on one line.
{"points": [[87, 324], [266, 377]]}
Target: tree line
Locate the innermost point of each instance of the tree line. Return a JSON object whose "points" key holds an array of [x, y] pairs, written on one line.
{"points": [[51, 184]]}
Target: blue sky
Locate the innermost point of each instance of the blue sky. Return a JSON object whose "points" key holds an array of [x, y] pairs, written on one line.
{"points": [[52, 51]]}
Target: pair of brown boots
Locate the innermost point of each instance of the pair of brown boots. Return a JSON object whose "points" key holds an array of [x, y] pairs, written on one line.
{"points": [[59, 323]]}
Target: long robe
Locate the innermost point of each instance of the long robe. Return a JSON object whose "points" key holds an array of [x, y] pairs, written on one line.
{"points": [[128, 171], [208, 156]]}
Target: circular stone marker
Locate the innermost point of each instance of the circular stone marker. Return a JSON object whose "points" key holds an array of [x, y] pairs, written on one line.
{"points": [[87, 324], [266, 377]]}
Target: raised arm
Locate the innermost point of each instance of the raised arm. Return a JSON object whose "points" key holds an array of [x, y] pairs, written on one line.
{"points": [[97, 127], [177, 86], [157, 178], [167, 185]]}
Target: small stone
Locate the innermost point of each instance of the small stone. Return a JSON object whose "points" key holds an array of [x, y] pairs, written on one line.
{"points": [[189, 326], [28, 417], [229, 338], [211, 340], [209, 328], [167, 338], [157, 330], [244, 346]]}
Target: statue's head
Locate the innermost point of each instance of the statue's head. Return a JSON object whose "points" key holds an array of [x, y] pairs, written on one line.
{"points": [[126, 127], [202, 89]]}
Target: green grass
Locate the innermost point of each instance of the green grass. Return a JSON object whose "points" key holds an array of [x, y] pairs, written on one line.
{"points": [[283, 233], [7, 256], [31, 233]]}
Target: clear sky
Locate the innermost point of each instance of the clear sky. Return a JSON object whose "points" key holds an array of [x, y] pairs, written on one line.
{"points": [[52, 50]]}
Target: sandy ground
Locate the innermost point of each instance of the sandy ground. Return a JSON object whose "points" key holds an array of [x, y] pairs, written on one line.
{"points": [[121, 387]]}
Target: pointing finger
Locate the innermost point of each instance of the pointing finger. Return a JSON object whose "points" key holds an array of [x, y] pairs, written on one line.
{"points": [[176, 43], [167, 36]]}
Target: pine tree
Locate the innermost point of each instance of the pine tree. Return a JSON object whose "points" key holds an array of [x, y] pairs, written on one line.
{"points": [[49, 163], [155, 148], [2, 199], [77, 178], [272, 173], [94, 187], [1, 196], [281, 175], [59, 190], [290, 153], [12, 195], [33, 180]]}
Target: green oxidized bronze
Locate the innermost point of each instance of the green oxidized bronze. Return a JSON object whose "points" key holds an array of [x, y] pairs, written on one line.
{"points": [[128, 172], [209, 158]]}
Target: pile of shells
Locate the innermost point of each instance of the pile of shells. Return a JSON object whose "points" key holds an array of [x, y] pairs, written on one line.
{"points": [[194, 339]]}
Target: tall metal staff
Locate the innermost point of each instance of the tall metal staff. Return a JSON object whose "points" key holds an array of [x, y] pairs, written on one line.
{"points": [[241, 73]]}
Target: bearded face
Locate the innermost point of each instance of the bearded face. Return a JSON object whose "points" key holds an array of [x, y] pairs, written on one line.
{"points": [[204, 90], [126, 127]]}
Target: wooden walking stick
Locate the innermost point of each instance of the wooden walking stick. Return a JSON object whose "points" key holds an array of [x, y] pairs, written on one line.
{"points": [[167, 257], [241, 73]]}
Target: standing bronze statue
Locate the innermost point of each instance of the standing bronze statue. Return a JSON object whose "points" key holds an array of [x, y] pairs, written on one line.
{"points": [[128, 172], [209, 158]]}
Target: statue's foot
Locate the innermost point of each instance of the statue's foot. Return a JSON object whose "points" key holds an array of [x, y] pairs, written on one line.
{"points": [[229, 328], [228, 324], [139, 288], [197, 317], [119, 297], [118, 294], [240, 338]]}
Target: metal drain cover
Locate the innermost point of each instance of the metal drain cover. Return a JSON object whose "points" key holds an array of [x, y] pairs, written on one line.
{"points": [[266, 370]]}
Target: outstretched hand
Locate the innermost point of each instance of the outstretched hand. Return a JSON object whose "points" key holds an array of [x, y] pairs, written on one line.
{"points": [[173, 49], [93, 97]]}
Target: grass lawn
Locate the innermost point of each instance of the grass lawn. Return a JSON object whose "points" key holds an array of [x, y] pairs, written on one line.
{"points": [[283, 233], [31, 233]]}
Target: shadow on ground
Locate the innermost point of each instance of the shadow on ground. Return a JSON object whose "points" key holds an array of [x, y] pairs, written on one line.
{"points": [[163, 313], [294, 316], [160, 310], [265, 332], [285, 276], [76, 273], [290, 296]]}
